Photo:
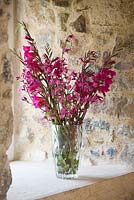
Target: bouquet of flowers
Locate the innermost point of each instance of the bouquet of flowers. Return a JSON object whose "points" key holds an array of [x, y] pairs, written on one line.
{"points": [[62, 94]]}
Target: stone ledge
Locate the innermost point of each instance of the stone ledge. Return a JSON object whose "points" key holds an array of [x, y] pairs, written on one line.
{"points": [[36, 180], [119, 188]]}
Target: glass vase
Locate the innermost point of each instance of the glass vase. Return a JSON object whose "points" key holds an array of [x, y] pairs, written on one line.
{"points": [[66, 146]]}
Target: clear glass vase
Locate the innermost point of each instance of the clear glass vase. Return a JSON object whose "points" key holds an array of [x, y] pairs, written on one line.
{"points": [[66, 145]]}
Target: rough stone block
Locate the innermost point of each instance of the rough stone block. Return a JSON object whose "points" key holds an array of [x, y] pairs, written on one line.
{"points": [[1, 12], [3, 37], [63, 17], [6, 74], [119, 106], [44, 2], [80, 24], [124, 65], [124, 81], [62, 3], [7, 2], [125, 43], [7, 93], [5, 180]]}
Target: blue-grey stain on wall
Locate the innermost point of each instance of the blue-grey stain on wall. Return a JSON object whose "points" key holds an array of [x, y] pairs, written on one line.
{"points": [[111, 152], [126, 130], [91, 125], [95, 153]]}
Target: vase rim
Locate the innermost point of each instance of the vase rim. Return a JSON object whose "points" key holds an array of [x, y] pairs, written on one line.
{"points": [[66, 124]]}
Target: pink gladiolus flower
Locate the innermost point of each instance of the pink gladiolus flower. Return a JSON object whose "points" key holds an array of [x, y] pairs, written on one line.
{"points": [[49, 69], [95, 99], [35, 65], [58, 82], [108, 72], [69, 97], [103, 89], [28, 38], [70, 38], [46, 108], [29, 53], [26, 48], [58, 63], [62, 113], [24, 99], [77, 96], [73, 110], [51, 82], [66, 50], [38, 102], [17, 77], [34, 86], [60, 99], [22, 88], [64, 70], [85, 60], [68, 87], [50, 117], [95, 85], [47, 94]]}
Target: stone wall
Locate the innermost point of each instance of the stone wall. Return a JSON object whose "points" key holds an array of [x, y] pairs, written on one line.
{"points": [[6, 79], [97, 25]]}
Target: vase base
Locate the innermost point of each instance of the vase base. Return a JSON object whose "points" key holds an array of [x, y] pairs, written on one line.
{"points": [[67, 176]]}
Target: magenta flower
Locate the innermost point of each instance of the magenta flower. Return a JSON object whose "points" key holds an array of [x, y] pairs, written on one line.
{"points": [[38, 102], [66, 50], [70, 38], [62, 113], [69, 97], [35, 85], [46, 108], [24, 98]]}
